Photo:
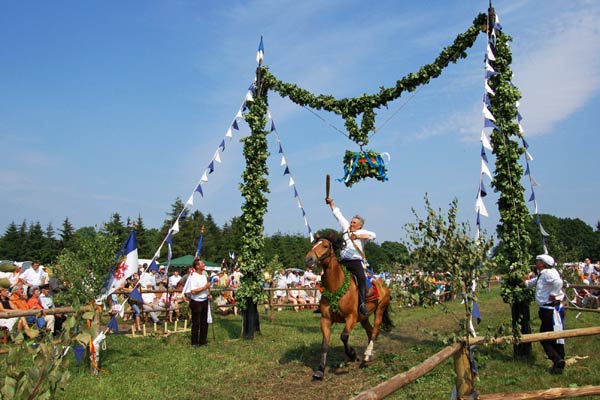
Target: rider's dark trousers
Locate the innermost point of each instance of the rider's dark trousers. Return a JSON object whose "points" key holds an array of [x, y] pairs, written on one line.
{"points": [[356, 268]]}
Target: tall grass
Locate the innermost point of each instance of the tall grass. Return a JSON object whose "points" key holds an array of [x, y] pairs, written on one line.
{"points": [[278, 364]]}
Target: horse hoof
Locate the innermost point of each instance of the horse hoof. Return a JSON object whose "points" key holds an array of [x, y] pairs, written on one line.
{"points": [[318, 375], [367, 359]]}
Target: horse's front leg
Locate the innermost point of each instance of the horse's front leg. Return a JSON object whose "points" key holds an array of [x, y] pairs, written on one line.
{"points": [[350, 352], [326, 331]]}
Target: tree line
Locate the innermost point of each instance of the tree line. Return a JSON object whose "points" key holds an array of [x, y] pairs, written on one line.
{"points": [[570, 239]]}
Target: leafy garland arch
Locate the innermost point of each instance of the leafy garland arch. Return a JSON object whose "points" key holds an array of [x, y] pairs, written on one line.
{"points": [[513, 211]]}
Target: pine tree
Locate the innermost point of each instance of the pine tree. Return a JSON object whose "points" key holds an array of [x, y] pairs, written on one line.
{"points": [[9, 244], [66, 234]]}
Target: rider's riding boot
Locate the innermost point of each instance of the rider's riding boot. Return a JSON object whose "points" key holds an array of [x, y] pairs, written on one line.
{"points": [[362, 294]]}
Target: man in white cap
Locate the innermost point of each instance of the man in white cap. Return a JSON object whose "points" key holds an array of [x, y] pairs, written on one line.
{"points": [[548, 296]]}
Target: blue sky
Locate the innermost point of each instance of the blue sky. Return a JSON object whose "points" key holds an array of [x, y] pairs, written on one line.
{"points": [[120, 106]]}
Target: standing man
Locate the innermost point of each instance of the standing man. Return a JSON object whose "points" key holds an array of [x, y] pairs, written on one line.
{"points": [[34, 276], [548, 296], [353, 255], [199, 290]]}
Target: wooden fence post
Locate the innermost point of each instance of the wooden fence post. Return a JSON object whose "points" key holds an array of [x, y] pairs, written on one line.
{"points": [[465, 384]]}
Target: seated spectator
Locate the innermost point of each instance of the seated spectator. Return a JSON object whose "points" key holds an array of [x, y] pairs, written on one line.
{"points": [[13, 279], [7, 323], [281, 282], [174, 280], [33, 303], [150, 305], [587, 270], [18, 300], [161, 280], [294, 296], [53, 322], [168, 302]]}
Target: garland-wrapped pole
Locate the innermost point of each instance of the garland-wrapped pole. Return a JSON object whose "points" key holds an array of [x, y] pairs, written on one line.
{"points": [[253, 188], [512, 254]]}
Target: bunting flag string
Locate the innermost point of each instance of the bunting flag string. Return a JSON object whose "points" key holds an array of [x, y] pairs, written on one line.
{"points": [[239, 116], [292, 182]]}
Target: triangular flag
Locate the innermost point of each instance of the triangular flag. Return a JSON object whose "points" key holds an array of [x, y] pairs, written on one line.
{"points": [[175, 227], [280, 149], [525, 144], [527, 169], [533, 181], [489, 124], [486, 99], [287, 171], [153, 266], [78, 352], [483, 155], [136, 295], [291, 181], [295, 192], [489, 74], [532, 197], [490, 53], [229, 133], [222, 145], [249, 97], [486, 113], [235, 126], [520, 128], [204, 177], [489, 89], [112, 324], [543, 232], [535, 206], [528, 156], [183, 214], [190, 201], [305, 222], [299, 204], [239, 115], [303, 213], [536, 220], [482, 190], [519, 118], [488, 67], [480, 207], [478, 218], [199, 190], [217, 157], [497, 25], [485, 141], [272, 125], [211, 167], [485, 169], [476, 314], [283, 162]]}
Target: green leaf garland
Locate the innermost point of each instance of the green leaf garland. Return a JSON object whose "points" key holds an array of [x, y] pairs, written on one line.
{"points": [[335, 297]]}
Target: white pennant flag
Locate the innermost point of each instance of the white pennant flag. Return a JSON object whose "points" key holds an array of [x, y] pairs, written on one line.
{"points": [[217, 156], [269, 114], [204, 178], [476, 232], [535, 207], [190, 202], [480, 207], [489, 89], [283, 162], [485, 141], [229, 134], [157, 254], [488, 67], [305, 222], [529, 157], [485, 169], [533, 181], [520, 128], [291, 181], [175, 227], [299, 204], [490, 54], [249, 96], [239, 115], [543, 232], [487, 113]]}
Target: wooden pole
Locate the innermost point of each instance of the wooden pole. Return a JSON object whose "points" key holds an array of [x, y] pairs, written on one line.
{"points": [[594, 310], [385, 388], [465, 384], [554, 393], [536, 337]]}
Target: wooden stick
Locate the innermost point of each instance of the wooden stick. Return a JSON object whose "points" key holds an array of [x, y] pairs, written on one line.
{"points": [[175, 328], [144, 329], [554, 393], [132, 330], [327, 185]]}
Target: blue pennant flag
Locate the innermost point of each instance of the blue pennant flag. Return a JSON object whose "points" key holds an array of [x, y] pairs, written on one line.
{"points": [[527, 169], [235, 126], [153, 266], [126, 264], [489, 74], [519, 118], [183, 214], [272, 125], [280, 149], [287, 171], [483, 155], [303, 213], [211, 167], [486, 99], [136, 295], [532, 198], [245, 107], [78, 352], [476, 313], [489, 124], [536, 219], [199, 190], [482, 190], [112, 324], [261, 52], [295, 192], [169, 241], [199, 248], [222, 145], [525, 144], [478, 218]]}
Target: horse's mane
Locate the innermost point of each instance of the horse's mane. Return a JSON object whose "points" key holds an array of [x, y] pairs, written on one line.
{"points": [[332, 236]]}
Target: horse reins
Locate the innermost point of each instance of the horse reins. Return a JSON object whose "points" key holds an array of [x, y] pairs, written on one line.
{"points": [[329, 254]]}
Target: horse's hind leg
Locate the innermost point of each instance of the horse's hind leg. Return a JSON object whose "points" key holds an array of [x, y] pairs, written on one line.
{"points": [[368, 356], [326, 331], [350, 352]]}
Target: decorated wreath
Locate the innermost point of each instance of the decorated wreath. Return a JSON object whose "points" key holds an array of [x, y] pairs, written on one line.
{"points": [[363, 164]]}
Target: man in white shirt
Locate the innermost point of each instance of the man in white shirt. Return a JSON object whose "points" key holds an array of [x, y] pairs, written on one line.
{"points": [[174, 279], [34, 276], [548, 296], [150, 305], [198, 288], [47, 302]]}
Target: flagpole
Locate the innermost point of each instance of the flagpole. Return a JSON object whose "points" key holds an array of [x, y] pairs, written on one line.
{"points": [[199, 247]]}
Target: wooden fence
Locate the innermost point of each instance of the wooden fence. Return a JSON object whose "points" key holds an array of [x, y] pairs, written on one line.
{"points": [[464, 376]]}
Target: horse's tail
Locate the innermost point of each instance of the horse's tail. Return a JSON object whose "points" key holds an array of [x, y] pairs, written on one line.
{"points": [[386, 323]]}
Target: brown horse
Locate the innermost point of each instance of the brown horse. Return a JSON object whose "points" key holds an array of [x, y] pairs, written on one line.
{"points": [[335, 278]]}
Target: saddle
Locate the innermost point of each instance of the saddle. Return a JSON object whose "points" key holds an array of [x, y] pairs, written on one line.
{"points": [[372, 293]]}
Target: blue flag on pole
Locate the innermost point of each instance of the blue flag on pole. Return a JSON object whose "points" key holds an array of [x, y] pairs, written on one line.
{"points": [[476, 313], [126, 264], [112, 324]]}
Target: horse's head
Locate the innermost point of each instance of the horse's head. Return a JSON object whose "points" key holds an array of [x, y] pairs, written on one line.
{"points": [[322, 249]]}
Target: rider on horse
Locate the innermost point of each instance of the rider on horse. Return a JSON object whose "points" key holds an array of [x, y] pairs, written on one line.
{"points": [[352, 254]]}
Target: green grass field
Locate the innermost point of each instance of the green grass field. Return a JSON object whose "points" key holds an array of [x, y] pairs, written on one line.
{"points": [[278, 363]]}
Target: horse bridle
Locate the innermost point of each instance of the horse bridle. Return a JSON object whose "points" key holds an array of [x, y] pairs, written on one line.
{"points": [[329, 254]]}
